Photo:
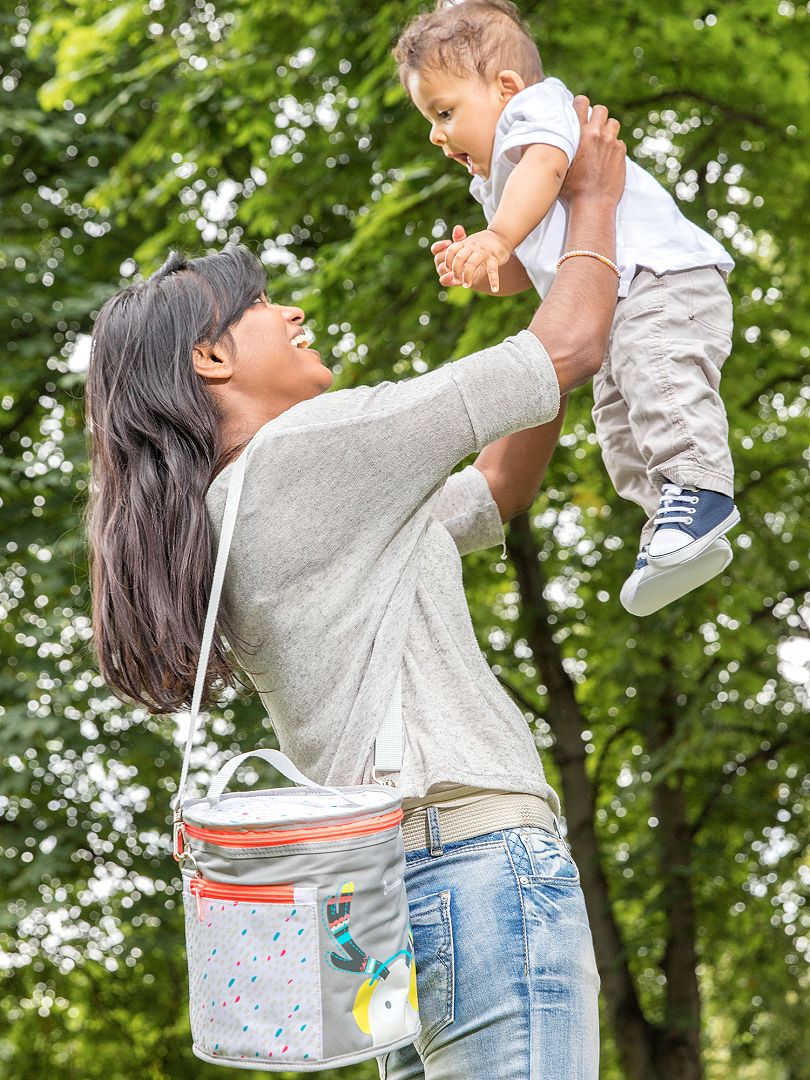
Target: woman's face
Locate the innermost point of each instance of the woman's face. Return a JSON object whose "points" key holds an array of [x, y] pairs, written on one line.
{"points": [[268, 370], [273, 359]]}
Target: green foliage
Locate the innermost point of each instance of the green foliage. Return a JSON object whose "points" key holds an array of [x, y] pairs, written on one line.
{"points": [[129, 129]]}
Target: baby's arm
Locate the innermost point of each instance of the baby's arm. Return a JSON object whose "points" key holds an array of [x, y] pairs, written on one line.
{"points": [[527, 197], [529, 193]]}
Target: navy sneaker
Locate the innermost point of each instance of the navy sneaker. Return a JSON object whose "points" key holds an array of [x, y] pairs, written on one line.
{"points": [[651, 587], [687, 521]]}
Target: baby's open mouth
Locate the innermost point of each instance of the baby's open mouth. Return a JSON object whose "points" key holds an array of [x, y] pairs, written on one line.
{"points": [[301, 341], [465, 160]]}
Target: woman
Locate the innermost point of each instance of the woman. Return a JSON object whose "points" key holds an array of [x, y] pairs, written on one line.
{"points": [[345, 574]]}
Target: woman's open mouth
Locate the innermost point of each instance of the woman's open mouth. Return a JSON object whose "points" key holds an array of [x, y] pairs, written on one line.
{"points": [[301, 341]]}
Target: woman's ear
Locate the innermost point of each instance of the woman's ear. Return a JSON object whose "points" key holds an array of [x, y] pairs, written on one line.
{"points": [[210, 366], [509, 83]]}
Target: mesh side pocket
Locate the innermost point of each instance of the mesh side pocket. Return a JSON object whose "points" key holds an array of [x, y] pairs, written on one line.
{"points": [[254, 981]]}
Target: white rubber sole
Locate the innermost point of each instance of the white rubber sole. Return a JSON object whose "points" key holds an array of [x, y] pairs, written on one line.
{"points": [[653, 587], [697, 547]]}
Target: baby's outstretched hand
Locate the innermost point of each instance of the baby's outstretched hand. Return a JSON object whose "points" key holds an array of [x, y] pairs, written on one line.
{"points": [[438, 250], [482, 251]]}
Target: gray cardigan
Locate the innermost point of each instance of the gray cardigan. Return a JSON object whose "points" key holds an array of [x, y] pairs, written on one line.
{"points": [[345, 567]]}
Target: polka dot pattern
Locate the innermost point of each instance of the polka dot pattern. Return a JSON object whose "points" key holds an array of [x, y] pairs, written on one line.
{"points": [[246, 1002]]}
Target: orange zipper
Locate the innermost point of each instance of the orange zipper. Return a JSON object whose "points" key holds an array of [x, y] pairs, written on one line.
{"points": [[249, 838], [243, 894]]}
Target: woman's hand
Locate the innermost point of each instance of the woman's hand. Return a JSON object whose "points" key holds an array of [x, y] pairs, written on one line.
{"points": [[599, 166]]}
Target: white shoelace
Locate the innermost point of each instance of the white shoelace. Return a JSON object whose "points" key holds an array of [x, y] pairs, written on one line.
{"points": [[676, 506]]}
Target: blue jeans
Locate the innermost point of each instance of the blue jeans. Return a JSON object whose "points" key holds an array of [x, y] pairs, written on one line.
{"points": [[505, 967]]}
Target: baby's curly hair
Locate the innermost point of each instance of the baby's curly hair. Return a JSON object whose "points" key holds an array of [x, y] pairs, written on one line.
{"points": [[476, 37]]}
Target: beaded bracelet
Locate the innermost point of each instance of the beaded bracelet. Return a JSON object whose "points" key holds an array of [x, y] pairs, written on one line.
{"points": [[593, 255]]}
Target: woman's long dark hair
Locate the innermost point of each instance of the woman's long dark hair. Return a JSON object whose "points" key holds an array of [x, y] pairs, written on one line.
{"points": [[155, 447]]}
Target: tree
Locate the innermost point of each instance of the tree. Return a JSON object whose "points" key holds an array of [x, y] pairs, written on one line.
{"points": [[677, 742]]}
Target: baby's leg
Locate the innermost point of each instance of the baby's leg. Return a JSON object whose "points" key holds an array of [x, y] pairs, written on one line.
{"points": [[671, 337], [623, 461]]}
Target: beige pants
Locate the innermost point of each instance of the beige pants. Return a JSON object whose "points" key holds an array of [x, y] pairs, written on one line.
{"points": [[657, 410]]}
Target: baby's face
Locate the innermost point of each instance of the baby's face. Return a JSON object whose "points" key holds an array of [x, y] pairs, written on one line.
{"points": [[463, 114]]}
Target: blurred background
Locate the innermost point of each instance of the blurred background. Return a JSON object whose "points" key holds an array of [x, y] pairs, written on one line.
{"points": [[679, 743]]}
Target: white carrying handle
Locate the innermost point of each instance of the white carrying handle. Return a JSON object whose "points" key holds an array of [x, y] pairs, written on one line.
{"points": [[279, 761]]}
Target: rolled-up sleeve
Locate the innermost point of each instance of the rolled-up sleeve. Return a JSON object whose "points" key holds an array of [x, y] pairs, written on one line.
{"points": [[468, 511]]}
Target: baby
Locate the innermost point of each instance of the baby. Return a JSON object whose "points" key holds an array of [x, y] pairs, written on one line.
{"points": [[474, 73]]}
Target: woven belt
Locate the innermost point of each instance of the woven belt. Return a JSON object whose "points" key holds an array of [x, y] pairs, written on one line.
{"points": [[506, 811]]}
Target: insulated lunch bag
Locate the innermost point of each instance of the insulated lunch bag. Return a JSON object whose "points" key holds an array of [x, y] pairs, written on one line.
{"points": [[300, 955]]}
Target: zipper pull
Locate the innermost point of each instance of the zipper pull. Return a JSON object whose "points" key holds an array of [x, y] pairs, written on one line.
{"points": [[178, 839], [196, 887]]}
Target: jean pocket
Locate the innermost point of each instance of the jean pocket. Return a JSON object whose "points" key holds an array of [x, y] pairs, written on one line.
{"points": [[432, 931], [550, 858]]}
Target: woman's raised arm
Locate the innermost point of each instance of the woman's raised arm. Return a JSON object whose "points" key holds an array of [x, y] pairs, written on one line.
{"points": [[574, 320]]}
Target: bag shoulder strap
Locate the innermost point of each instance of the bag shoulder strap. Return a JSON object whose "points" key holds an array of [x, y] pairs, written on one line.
{"points": [[389, 744], [225, 537], [388, 747]]}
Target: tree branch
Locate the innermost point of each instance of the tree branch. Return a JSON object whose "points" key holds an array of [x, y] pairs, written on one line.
{"points": [[777, 467], [799, 377], [691, 95], [729, 778], [614, 735], [800, 592], [697, 149]]}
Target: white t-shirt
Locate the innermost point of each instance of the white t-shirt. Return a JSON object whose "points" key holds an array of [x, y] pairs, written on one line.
{"points": [[650, 229]]}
